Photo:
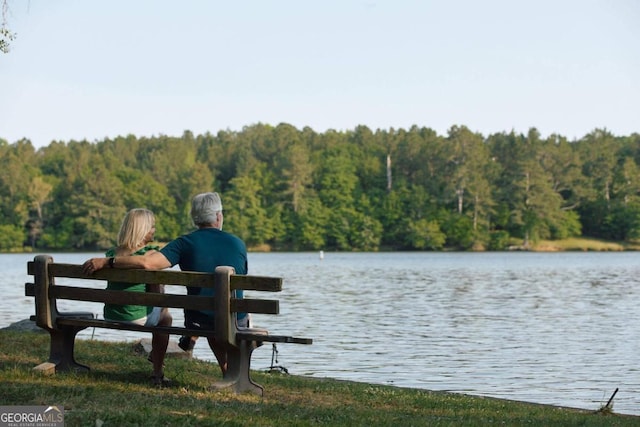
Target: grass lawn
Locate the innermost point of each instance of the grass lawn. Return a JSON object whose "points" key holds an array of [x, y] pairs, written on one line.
{"points": [[117, 392]]}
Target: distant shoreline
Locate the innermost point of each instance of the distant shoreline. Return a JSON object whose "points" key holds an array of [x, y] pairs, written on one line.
{"points": [[573, 244]]}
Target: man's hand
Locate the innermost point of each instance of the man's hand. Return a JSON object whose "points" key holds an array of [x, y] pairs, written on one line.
{"points": [[93, 265]]}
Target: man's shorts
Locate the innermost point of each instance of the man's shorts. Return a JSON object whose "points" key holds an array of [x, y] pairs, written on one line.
{"points": [[199, 320]]}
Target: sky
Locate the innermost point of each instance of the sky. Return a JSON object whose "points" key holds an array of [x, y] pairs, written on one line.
{"points": [[90, 70]]}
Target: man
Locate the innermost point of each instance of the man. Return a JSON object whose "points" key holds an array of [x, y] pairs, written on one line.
{"points": [[202, 250]]}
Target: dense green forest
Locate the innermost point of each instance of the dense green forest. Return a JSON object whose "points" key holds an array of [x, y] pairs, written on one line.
{"points": [[290, 189]]}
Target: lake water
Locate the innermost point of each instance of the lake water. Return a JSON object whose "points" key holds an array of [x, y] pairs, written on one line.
{"points": [[553, 328]]}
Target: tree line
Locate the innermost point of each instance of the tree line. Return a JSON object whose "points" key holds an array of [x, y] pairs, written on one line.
{"points": [[285, 188]]}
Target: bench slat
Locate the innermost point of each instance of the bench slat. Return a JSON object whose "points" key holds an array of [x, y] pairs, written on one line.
{"points": [[173, 330], [191, 302], [260, 306], [256, 283], [109, 296], [172, 277], [248, 336], [167, 277], [97, 323]]}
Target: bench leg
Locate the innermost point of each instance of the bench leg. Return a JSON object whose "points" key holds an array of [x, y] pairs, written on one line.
{"points": [[238, 376], [61, 351]]}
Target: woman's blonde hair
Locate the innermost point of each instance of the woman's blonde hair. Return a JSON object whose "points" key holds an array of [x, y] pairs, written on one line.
{"points": [[135, 226]]}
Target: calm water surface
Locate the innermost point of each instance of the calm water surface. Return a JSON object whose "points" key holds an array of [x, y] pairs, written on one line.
{"points": [[554, 328]]}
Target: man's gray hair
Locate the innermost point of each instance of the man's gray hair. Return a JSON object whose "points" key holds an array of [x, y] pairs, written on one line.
{"points": [[204, 208]]}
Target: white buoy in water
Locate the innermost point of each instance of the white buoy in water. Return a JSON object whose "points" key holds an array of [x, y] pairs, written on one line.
{"points": [[321, 254]]}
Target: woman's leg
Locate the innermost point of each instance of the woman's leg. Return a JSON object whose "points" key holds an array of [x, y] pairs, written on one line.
{"points": [[159, 344]]}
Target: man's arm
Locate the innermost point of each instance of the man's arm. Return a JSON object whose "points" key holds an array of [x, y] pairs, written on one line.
{"points": [[153, 261]]}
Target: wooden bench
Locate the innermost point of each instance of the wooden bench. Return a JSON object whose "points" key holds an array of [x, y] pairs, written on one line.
{"points": [[63, 326]]}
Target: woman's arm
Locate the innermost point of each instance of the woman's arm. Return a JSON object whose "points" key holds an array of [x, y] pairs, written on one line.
{"points": [[154, 261]]}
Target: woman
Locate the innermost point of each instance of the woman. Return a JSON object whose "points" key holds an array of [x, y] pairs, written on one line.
{"points": [[136, 232]]}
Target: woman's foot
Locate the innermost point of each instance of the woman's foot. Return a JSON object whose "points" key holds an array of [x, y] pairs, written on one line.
{"points": [[160, 381]]}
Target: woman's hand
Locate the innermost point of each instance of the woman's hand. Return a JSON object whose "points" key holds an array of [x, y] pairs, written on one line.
{"points": [[94, 264]]}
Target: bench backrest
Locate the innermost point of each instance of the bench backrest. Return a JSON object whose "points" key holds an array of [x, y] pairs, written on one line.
{"points": [[224, 281]]}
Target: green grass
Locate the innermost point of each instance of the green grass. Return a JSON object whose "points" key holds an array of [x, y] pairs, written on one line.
{"points": [[578, 244], [117, 392], [581, 244]]}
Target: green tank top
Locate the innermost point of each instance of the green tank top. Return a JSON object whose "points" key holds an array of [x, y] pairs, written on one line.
{"points": [[127, 313]]}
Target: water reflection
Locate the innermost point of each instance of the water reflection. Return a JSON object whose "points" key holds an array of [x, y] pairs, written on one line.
{"points": [[548, 328]]}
